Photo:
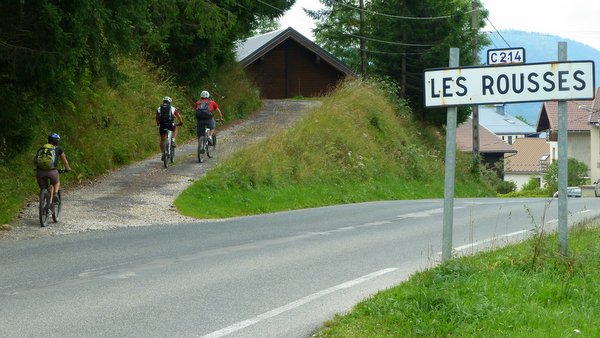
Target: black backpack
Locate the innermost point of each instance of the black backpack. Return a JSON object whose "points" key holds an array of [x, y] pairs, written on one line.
{"points": [[165, 116], [203, 111]]}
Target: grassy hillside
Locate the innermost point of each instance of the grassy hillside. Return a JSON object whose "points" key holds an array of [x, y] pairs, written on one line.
{"points": [[110, 127], [360, 145]]}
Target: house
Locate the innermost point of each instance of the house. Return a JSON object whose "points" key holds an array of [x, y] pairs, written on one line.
{"points": [[594, 121], [285, 64], [501, 123], [531, 160], [581, 126], [491, 148]]}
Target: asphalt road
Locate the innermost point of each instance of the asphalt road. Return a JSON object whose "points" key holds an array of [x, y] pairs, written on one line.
{"points": [[275, 275]]}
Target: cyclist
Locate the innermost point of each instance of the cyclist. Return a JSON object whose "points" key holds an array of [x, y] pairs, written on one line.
{"points": [[164, 121], [204, 115], [50, 171]]}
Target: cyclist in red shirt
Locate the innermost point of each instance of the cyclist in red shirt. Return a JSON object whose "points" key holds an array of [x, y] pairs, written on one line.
{"points": [[207, 120]]}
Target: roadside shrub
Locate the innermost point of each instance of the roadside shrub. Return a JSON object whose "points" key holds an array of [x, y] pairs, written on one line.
{"points": [[504, 187], [531, 185]]}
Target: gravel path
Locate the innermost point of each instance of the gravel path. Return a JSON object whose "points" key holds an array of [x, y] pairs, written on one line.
{"points": [[143, 194]]}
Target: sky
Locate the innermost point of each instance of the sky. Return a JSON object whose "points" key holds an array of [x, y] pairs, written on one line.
{"points": [[577, 20]]}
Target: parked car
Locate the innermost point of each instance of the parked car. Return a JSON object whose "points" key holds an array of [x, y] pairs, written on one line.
{"points": [[576, 192], [597, 188]]}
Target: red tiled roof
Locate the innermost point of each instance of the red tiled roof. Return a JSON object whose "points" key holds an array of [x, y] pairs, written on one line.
{"points": [[595, 116], [488, 141], [578, 118], [528, 156]]}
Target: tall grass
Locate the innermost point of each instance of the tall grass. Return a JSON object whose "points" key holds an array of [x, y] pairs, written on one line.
{"points": [[358, 146]]}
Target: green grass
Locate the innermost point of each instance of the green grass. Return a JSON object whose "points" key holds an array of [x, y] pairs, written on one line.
{"points": [[502, 293], [358, 146]]}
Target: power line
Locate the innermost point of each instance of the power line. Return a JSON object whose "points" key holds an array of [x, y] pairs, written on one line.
{"points": [[401, 17], [264, 3], [393, 43], [488, 20]]}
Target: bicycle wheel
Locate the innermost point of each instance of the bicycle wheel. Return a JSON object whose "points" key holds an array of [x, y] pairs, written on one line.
{"points": [[44, 207], [211, 148], [56, 207], [201, 148], [166, 156]]}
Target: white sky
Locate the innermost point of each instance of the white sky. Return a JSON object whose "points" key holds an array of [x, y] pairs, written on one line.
{"points": [[578, 20]]}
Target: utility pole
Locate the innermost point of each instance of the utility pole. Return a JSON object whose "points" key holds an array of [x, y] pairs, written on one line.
{"points": [[403, 58], [363, 47], [475, 108]]}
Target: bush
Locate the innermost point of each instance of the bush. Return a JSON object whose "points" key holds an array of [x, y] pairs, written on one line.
{"points": [[504, 187]]}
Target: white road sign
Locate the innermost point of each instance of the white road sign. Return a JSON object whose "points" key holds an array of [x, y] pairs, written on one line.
{"points": [[572, 80], [510, 55]]}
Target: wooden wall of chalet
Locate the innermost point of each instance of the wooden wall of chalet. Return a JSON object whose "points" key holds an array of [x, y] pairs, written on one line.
{"points": [[290, 70]]}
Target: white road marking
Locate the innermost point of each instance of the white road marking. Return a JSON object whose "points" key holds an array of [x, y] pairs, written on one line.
{"points": [[491, 239], [297, 303]]}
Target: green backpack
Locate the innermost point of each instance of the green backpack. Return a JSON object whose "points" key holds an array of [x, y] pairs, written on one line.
{"points": [[45, 159]]}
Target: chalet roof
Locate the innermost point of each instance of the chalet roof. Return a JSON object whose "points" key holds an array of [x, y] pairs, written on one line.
{"points": [[499, 122], [595, 113], [578, 113], [488, 141], [253, 48], [533, 154]]}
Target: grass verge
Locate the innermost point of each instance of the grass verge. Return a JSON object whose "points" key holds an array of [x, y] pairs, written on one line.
{"points": [[525, 290]]}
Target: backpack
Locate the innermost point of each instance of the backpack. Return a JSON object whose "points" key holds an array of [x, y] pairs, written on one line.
{"points": [[45, 158], [165, 116], [203, 111]]}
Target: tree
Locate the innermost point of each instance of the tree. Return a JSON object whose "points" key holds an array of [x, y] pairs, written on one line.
{"points": [[194, 39], [403, 38], [50, 49], [577, 173]]}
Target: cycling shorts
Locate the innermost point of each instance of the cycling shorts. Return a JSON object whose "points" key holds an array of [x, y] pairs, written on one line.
{"points": [[42, 177], [162, 129], [202, 124]]}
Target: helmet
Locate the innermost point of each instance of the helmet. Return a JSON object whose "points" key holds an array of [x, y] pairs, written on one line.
{"points": [[204, 94], [53, 138], [167, 99]]}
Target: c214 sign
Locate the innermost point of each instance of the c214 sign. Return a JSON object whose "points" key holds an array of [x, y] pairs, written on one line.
{"points": [[511, 83]]}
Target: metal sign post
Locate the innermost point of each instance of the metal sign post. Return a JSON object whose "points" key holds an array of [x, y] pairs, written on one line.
{"points": [[563, 163], [450, 169]]}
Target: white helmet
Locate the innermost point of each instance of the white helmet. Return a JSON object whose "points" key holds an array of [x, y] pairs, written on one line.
{"points": [[204, 94], [167, 99]]}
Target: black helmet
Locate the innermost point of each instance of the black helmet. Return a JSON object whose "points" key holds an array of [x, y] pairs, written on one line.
{"points": [[53, 138]]}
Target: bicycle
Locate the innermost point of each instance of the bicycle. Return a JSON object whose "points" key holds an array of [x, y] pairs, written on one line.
{"points": [[168, 155], [45, 209], [206, 146]]}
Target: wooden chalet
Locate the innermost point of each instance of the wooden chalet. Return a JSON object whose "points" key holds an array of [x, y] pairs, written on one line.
{"points": [[286, 64]]}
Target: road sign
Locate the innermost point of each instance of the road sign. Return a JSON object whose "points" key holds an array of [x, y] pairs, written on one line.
{"points": [[503, 56], [509, 83]]}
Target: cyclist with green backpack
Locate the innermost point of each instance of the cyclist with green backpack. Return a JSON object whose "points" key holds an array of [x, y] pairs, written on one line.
{"points": [[45, 162]]}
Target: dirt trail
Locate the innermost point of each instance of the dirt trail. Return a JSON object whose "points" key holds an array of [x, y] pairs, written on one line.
{"points": [[143, 193]]}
